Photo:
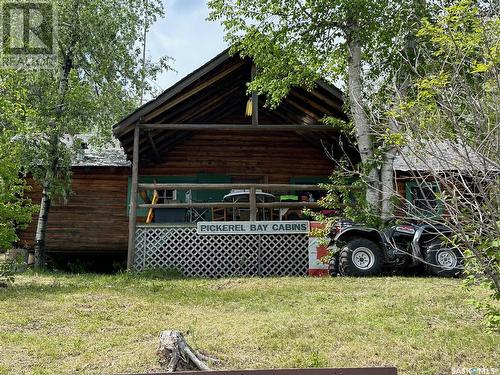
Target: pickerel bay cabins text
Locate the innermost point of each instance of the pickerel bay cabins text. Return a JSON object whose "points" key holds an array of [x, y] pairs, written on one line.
{"points": [[251, 227]]}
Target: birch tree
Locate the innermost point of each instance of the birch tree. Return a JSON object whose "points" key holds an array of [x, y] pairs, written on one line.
{"points": [[97, 80], [355, 43], [450, 128]]}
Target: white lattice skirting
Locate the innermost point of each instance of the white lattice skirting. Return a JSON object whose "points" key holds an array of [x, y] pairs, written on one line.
{"points": [[220, 255]]}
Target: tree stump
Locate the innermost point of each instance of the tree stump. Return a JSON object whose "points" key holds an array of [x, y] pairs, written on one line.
{"points": [[176, 355]]}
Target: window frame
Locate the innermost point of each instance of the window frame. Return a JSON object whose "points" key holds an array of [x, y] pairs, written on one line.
{"points": [[163, 197], [438, 212]]}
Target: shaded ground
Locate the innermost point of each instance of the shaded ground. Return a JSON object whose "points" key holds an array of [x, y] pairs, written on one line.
{"points": [[63, 324]]}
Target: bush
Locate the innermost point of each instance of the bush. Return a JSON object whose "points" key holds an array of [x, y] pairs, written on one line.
{"points": [[7, 272]]}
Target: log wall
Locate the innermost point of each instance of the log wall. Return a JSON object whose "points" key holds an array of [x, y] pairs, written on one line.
{"points": [[94, 217], [278, 156]]}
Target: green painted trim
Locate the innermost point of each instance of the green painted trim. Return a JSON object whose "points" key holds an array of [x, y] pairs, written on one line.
{"points": [[198, 196], [309, 180], [409, 197]]}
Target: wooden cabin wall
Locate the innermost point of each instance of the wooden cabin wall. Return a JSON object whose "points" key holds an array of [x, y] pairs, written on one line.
{"points": [[277, 155], [93, 219]]}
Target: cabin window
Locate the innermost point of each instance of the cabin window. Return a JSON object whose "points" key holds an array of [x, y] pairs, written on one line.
{"points": [[423, 199], [166, 195], [177, 195]]}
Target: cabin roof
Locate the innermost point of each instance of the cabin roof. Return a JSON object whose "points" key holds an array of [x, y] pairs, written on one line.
{"points": [[189, 79], [92, 155], [216, 93], [95, 157], [147, 107], [441, 156]]}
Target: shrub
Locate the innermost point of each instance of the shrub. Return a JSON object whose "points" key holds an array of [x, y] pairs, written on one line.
{"points": [[7, 272]]}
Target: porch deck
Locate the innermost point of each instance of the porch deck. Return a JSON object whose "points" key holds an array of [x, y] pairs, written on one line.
{"points": [[178, 244]]}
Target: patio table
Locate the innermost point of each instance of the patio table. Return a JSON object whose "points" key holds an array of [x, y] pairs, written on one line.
{"points": [[244, 196]]}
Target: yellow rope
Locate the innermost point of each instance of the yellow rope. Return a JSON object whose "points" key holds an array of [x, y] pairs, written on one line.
{"points": [[151, 215]]}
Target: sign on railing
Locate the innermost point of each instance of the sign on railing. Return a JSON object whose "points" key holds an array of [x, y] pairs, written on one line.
{"points": [[252, 227]]}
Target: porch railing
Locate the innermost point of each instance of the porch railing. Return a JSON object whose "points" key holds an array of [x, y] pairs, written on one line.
{"points": [[252, 203]]}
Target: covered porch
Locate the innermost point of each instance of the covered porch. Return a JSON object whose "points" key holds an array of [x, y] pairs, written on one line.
{"points": [[205, 151], [175, 202], [164, 218]]}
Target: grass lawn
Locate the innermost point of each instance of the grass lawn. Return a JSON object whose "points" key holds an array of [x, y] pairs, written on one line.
{"points": [[64, 324]]}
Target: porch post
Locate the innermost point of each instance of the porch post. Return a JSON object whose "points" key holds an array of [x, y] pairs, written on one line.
{"points": [[253, 204], [133, 200], [255, 100]]}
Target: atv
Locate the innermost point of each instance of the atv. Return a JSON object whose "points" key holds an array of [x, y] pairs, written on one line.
{"points": [[360, 251]]}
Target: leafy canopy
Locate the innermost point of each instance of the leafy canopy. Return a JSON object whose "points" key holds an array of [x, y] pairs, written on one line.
{"points": [[297, 42], [15, 210], [97, 80]]}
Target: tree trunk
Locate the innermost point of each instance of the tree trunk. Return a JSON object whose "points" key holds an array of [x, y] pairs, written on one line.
{"points": [[43, 216], [387, 184], [41, 230], [402, 81], [361, 123], [387, 172]]}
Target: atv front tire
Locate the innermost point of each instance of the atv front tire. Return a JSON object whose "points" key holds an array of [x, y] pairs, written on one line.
{"points": [[360, 257]]}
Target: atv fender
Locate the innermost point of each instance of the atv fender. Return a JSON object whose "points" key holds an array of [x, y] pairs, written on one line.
{"points": [[368, 233]]}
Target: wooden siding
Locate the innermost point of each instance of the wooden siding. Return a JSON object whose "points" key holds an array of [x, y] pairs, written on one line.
{"points": [[279, 156], [94, 217]]}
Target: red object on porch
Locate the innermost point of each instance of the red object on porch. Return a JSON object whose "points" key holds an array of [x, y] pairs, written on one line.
{"points": [[316, 253]]}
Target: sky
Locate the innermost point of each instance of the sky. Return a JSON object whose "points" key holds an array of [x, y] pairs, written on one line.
{"points": [[186, 36]]}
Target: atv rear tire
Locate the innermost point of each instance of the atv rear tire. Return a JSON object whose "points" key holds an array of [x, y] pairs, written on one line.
{"points": [[444, 261], [360, 257]]}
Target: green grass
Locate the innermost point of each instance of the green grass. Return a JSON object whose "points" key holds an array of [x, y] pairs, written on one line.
{"points": [[63, 324]]}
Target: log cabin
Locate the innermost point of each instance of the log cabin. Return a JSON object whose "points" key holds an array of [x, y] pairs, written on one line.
{"points": [[207, 151], [203, 150]]}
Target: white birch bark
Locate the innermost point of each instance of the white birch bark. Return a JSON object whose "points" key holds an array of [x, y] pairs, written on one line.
{"points": [[43, 216], [387, 184], [360, 118], [41, 229]]}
